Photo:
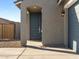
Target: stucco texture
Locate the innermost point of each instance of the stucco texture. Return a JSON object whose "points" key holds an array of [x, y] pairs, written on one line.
{"points": [[52, 22]]}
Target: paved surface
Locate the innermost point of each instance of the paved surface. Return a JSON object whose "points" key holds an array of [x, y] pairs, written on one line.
{"points": [[35, 51]]}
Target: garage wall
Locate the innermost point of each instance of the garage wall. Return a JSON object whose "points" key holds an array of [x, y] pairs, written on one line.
{"points": [[74, 27]]}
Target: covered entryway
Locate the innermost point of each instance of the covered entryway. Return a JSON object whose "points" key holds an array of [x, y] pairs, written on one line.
{"points": [[35, 26], [35, 21]]}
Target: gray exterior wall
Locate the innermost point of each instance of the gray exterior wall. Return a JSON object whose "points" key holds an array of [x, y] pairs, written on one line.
{"points": [[74, 27], [52, 22]]}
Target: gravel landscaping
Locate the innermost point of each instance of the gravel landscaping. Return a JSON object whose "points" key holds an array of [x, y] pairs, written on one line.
{"points": [[10, 44]]}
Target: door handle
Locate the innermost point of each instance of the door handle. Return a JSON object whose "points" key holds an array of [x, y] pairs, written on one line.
{"points": [[39, 29]]}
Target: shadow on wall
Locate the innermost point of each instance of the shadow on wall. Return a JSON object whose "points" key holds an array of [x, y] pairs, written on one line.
{"points": [[74, 27]]}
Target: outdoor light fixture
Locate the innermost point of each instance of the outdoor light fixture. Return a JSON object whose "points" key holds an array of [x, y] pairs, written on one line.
{"points": [[62, 8], [59, 2], [27, 12], [34, 7], [62, 13]]}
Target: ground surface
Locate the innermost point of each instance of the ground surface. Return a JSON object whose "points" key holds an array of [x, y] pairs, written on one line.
{"points": [[35, 51], [10, 44]]}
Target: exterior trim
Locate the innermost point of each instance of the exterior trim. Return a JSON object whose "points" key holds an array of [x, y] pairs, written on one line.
{"points": [[18, 2], [70, 3], [59, 2]]}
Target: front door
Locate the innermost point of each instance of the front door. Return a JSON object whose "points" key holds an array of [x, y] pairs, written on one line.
{"points": [[35, 26]]}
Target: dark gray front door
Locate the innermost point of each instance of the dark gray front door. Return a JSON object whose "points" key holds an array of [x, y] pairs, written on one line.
{"points": [[35, 25]]}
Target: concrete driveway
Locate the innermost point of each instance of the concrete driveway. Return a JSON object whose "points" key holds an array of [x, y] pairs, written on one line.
{"points": [[35, 51]]}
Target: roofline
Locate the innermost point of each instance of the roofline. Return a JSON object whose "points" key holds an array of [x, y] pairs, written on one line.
{"points": [[18, 3], [7, 20], [59, 2], [70, 3]]}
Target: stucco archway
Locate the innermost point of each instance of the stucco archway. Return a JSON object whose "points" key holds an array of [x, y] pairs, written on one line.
{"points": [[34, 13]]}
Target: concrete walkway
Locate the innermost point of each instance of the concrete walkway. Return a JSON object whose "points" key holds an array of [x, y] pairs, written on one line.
{"points": [[35, 51]]}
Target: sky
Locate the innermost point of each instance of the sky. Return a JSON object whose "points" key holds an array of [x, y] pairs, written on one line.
{"points": [[9, 11]]}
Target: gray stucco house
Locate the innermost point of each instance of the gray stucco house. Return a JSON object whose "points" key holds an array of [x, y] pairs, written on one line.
{"points": [[54, 22]]}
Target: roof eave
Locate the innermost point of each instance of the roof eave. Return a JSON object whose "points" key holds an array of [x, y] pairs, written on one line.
{"points": [[18, 4], [59, 2], [70, 3]]}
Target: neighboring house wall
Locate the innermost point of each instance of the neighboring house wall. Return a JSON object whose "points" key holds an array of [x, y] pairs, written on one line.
{"points": [[16, 28], [52, 22], [74, 27]]}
